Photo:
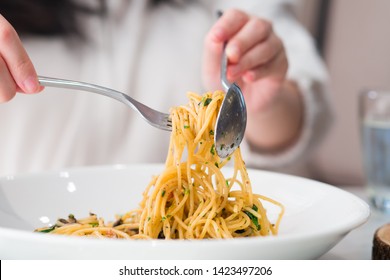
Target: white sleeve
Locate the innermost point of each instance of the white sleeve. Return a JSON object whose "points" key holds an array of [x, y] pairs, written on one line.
{"points": [[306, 69]]}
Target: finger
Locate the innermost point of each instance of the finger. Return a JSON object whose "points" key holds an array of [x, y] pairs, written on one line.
{"points": [[259, 55], [7, 83], [211, 61], [276, 68], [253, 32], [16, 58], [228, 25]]}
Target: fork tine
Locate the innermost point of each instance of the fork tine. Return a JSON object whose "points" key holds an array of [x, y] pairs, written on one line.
{"points": [[168, 122], [164, 122]]}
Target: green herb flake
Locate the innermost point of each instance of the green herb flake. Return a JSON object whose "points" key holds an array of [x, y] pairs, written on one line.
{"points": [[94, 224], [207, 101], [212, 150], [202, 101], [163, 219], [211, 132], [216, 164], [48, 229], [187, 191], [253, 218], [186, 126], [163, 193], [227, 183]]}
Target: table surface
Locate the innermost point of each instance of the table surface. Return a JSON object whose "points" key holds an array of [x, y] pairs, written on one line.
{"points": [[357, 245]]}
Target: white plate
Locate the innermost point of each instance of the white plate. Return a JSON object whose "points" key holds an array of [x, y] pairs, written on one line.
{"points": [[317, 217]]}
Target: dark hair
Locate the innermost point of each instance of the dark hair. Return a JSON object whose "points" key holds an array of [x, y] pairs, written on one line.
{"points": [[52, 17]]}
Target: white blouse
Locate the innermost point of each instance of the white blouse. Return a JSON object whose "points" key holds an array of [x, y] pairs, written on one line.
{"points": [[153, 55]]}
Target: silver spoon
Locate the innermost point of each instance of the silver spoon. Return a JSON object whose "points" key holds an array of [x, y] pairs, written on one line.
{"points": [[232, 116]]}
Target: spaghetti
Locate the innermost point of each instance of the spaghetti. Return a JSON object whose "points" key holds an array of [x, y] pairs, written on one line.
{"points": [[191, 198]]}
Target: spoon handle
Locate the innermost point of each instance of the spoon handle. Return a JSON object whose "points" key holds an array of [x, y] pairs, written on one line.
{"points": [[224, 62]]}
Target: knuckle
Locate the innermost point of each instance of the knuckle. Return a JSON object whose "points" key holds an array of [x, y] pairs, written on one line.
{"points": [[263, 26], [22, 66], [237, 14], [7, 34], [234, 12], [209, 43]]}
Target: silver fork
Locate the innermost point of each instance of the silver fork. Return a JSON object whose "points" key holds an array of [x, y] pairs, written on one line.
{"points": [[153, 117]]}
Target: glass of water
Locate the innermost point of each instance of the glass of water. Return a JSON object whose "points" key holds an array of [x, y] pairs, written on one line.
{"points": [[374, 112]]}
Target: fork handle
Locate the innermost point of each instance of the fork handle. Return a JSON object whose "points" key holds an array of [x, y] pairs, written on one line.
{"points": [[140, 108], [76, 85]]}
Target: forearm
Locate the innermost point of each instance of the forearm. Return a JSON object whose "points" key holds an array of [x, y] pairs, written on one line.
{"points": [[278, 126]]}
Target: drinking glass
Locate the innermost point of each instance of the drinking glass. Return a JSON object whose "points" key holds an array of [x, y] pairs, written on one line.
{"points": [[374, 113]]}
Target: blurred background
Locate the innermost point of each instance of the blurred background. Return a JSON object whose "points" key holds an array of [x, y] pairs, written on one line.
{"points": [[353, 38]]}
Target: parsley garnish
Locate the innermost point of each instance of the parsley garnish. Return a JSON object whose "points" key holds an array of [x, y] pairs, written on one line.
{"points": [[253, 218], [48, 229], [207, 101], [212, 150]]}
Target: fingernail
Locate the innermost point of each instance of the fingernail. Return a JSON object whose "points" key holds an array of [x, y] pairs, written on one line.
{"points": [[233, 52], [30, 85]]}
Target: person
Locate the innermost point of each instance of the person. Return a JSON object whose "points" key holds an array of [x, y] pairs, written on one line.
{"points": [[154, 51]]}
